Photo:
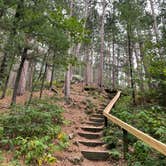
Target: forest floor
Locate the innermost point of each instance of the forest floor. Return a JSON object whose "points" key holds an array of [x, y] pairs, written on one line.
{"points": [[75, 114]]}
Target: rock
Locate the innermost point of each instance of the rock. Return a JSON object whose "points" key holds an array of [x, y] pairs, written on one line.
{"points": [[77, 160], [76, 143], [71, 136]]}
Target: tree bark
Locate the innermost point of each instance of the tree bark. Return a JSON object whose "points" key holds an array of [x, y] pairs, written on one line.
{"points": [[131, 63], [23, 79], [3, 67], [100, 76], [113, 62], [67, 83], [68, 72], [52, 72], [43, 79], [23, 58], [33, 80], [48, 73], [155, 27], [6, 82]]}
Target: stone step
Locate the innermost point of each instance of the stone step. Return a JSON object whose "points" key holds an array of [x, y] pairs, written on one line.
{"points": [[89, 135], [97, 115], [92, 143], [96, 119], [92, 128], [97, 124], [99, 112], [95, 155]]}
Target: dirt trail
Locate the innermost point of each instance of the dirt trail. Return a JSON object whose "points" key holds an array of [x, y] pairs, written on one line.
{"points": [[75, 114]]}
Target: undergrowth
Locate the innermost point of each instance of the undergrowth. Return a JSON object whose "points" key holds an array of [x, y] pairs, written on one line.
{"points": [[149, 119], [29, 131]]}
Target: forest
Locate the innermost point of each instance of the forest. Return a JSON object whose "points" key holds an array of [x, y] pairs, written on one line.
{"points": [[82, 82]]}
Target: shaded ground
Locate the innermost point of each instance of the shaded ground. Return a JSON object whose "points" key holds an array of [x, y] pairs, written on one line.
{"points": [[5, 103]]}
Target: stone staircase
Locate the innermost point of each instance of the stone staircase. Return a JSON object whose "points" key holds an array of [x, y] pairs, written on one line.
{"points": [[89, 138]]}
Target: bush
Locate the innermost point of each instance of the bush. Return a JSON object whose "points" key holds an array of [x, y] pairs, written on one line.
{"points": [[149, 119], [30, 121], [115, 154], [30, 130]]}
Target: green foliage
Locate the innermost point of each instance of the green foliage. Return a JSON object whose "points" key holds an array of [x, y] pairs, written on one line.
{"points": [[90, 107], [30, 121], [35, 150], [110, 138], [157, 70], [141, 150], [115, 154], [1, 157], [142, 156], [30, 131], [154, 116]]}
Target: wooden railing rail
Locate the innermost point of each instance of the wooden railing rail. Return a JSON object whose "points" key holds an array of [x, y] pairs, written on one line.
{"points": [[159, 146]]}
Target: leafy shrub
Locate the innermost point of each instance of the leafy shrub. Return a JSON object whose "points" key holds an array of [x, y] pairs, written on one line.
{"points": [[149, 119], [115, 154], [35, 150], [29, 121], [141, 150], [111, 136], [30, 130]]}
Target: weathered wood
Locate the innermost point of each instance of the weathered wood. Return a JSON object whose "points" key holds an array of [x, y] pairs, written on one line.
{"points": [[159, 146], [125, 143], [105, 121]]}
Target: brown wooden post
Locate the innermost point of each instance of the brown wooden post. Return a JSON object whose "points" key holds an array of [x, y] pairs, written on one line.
{"points": [[105, 121], [125, 143]]}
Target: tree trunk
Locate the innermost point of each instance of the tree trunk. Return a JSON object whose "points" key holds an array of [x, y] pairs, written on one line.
{"points": [[23, 58], [33, 80], [87, 68], [145, 67], [6, 82], [139, 70], [43, 79], [3, 67], [30, 75], [100, 76], [117, 69], [23, 79], [48, 73], [68, 72], [67, 83], [131, 63], [155, 27], [113, 62]]}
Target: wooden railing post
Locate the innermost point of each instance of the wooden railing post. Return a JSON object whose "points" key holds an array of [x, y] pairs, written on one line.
{"points": [[125, 143], [105, 121]]}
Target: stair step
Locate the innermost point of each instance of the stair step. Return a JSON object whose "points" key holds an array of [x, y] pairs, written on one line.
{"points": [[96, 119], [97, 124], [90, 135], [91, 143], [97, 115], [92, 129], [95, 155], [100, 111]]}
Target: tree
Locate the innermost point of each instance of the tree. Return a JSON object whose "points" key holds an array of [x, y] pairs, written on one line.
{"points": [[100, 76]]}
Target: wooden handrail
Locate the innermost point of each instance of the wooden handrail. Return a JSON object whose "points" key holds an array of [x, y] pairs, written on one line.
{"points": [[159, 146]]}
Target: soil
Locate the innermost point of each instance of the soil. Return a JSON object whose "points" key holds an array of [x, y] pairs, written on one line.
{"points": [[75, 113]]}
